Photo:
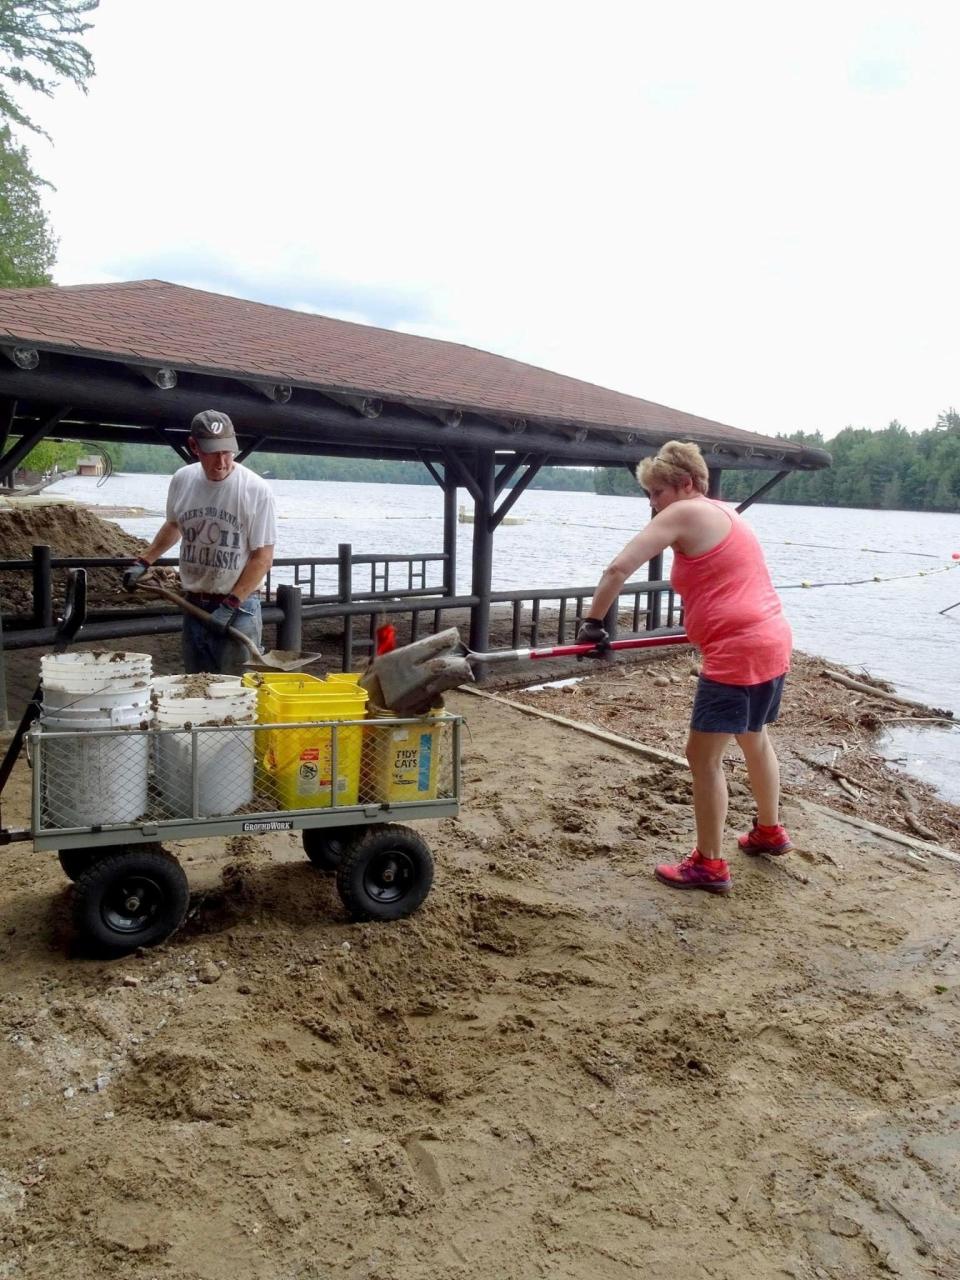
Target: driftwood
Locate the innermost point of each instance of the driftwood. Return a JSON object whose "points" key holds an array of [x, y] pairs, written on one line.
{"points": [[666, 757], [882, 694], [917, 827], [911, 817], [615, 740], [834, 772], [897, 837]]}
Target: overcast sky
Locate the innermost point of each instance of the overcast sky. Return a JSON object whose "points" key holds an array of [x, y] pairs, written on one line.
{"points": [[743, 210]]}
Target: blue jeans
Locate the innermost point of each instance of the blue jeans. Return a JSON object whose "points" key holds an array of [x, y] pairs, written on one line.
{"points": [[206, 650]]}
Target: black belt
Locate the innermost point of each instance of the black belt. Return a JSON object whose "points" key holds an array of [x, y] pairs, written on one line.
{"points": [[210, 598]]}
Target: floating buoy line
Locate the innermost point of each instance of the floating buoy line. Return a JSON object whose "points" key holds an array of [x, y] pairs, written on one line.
{"points": [[859, 582]]}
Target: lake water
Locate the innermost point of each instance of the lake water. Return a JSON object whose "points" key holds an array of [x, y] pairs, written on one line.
{"points": [[891, 628]]}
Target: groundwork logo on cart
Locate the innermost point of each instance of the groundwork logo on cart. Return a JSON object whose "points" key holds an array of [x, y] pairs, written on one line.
{"points": [[275, 824]]}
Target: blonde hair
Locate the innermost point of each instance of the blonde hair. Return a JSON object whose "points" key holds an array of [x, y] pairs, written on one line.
{"points": [[674, 461]]}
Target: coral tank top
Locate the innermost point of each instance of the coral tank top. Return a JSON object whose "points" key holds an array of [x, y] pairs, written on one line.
{"points": [[730, 608]]}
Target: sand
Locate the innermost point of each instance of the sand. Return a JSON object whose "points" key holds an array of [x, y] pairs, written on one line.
{"points": [[557, 1068], [68, 530]]}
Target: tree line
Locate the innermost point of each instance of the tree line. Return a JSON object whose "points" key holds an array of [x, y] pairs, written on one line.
{"points": [[890, 470], [157, 459], [893, 469]]}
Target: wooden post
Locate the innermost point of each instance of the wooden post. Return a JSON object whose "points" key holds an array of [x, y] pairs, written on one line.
{"points": [[290, 627], [449, 532], [42, 587], [345, 596], [485, 477], [655, 599]]}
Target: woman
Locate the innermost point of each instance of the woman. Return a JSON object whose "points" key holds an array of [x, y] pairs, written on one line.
{"points": [[733, 614]]}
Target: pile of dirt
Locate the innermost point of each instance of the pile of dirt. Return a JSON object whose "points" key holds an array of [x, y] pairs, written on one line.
{"points": [[68, 530]]}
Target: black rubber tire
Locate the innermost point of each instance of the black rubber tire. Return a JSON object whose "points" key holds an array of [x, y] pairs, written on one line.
{"points": [[326, 846], [132, 899], [74, 862], [385, 874]]}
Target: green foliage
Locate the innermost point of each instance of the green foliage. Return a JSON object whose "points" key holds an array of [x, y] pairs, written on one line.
{"points": [[64, 453], [616, 481], [39, 49], [47, 454], [27, 247], [893, 469], [158, 459]]}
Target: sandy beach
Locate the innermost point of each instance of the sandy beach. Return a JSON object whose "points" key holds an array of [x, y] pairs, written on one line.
{"points": [[558, 1067]]}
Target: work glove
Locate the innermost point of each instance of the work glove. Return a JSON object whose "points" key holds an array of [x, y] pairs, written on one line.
{"points": [[133, 575], [225, 614], [592, 631]]}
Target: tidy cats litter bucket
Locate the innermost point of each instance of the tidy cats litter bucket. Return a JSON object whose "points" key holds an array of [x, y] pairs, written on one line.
{"points": [[298, 761], [83, 683], [96, 779], [400, 762], [224, 760]]}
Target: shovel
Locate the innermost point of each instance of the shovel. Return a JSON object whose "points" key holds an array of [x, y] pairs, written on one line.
{"points": [[275, 659], [409, 680]]}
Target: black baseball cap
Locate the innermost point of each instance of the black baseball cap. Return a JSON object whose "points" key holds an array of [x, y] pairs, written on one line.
{"points": [[214, 433]]}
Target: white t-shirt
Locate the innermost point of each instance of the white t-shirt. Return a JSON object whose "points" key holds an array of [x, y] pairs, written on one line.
{"points": [[221, 522]]}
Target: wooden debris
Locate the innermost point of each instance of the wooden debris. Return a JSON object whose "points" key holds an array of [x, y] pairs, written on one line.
{"points": [[896, 837], [882, 694], [834, 772]]}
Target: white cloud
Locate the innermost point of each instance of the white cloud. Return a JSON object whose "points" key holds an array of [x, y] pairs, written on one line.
{"points": [[742, 210]]}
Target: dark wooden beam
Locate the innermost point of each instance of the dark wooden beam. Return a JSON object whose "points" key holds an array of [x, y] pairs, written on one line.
{"points": [[106, 390], [450, 520], [764, 488], [515, 493], [510, 469], [482, 553], [8, 412], [463, 474], [179, 449], [247, 449], [437, 475], [16, 453]]}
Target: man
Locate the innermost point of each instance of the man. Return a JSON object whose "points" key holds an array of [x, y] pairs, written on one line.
{"points": [[224, 516]]}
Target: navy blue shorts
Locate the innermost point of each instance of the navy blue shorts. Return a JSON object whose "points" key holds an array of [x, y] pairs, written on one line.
{"points": [[735, 708]]}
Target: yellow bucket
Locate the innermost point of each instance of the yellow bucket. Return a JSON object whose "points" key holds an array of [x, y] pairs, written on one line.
{"points": [[298, 762], [263, 682], [400, 762], [343, 677]]}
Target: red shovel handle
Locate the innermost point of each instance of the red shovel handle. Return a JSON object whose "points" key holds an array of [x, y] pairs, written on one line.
{"points": [[574, 650], [640, 642]]}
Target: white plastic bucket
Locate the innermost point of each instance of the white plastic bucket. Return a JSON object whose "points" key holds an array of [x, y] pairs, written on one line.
{"points": [[83, 683], [91, 779], [224, 760]]}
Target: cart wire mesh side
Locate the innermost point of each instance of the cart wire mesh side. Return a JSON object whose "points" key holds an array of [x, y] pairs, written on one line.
{"points": [[143, 783]]}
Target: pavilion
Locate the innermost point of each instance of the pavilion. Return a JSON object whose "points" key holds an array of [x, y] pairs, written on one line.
{"points": [[134, 361]]}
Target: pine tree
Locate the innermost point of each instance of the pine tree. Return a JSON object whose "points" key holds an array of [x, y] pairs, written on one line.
{"points": [[27, 246]]}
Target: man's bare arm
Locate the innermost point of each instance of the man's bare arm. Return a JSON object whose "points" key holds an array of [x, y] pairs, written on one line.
{"points": [[256, 568], [168, 535]]}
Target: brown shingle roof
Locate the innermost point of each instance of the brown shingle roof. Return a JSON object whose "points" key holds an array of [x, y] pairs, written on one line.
{"points": [[154, 322]]}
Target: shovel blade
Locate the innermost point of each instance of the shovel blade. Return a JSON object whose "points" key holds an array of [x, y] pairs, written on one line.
{"points": [[409, 680], [283, 660]]}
